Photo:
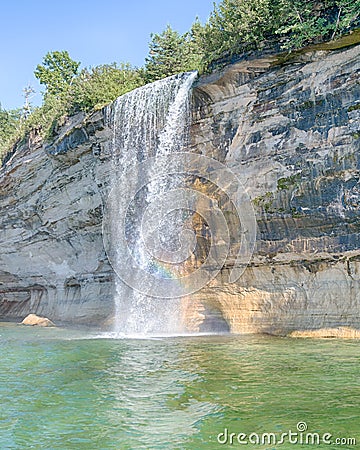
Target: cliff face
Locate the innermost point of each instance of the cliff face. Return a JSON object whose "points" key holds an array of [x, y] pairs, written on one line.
{"points": [[290, 131], [52, 259], [289, 128]]}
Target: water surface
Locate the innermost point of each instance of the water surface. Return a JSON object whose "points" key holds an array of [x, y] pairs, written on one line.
{"points": [[63, 389]]}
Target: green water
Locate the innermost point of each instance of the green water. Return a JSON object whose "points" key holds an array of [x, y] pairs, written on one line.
{"points": [[62, 389]]}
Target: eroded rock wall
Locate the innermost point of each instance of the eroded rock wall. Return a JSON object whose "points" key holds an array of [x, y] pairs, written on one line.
{"points": [[52, 259], [288, 127], [290, 130]]}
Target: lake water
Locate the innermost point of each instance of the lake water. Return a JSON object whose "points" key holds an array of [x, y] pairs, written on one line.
{"points": [[68, 389]]}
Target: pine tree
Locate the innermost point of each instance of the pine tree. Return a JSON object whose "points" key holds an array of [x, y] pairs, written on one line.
{"points": [[166, 55], [194, 47]]}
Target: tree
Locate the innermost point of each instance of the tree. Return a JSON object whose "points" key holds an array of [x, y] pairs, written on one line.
{"points": [[194, 47], [307, 22], [57, 72], [165, 55], [235, 26], [27, 108]]}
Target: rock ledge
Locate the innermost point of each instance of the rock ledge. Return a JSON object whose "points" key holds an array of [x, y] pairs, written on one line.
{"points": [[340, 332]]}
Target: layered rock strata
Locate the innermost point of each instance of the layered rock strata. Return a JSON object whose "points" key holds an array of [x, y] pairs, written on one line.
{"points": [[288, 127]]}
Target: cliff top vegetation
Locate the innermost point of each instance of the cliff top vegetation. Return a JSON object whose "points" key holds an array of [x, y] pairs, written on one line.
{"points": [[234, 26]]}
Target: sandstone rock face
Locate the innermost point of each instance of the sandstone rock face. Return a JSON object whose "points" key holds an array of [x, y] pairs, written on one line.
{"points": [[341, 332], [290, 131], [288, 128], [34, 320], [52, 259]]}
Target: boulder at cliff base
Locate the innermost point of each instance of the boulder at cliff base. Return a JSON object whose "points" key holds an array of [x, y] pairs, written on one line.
{"points": [[34, 320]]}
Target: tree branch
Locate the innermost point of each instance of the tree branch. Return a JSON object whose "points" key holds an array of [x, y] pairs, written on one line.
{"points": [[337, 24]]}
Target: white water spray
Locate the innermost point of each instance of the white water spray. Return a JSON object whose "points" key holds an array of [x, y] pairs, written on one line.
{"points": [[150, 121]]}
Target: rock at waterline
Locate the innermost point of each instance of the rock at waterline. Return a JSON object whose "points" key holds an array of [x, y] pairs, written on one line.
{"points": [[34, 320], [339, 332]]}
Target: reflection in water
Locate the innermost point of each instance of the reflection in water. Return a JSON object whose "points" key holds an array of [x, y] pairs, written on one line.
{"points": [[148, 394], [66, 390]]}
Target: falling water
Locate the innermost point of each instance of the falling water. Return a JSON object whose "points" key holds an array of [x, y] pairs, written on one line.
{"points": [[150, 121]]}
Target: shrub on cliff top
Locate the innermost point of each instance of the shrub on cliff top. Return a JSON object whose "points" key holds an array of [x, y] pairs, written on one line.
{"points": [[236, 26], [97, 86], [67, 91], [9, 125]]}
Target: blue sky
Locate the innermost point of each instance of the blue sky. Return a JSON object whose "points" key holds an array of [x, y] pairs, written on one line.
{"points": [[93, 32]]}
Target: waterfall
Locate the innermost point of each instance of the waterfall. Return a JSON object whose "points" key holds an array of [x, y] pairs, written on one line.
{"points": [[149, 122]]}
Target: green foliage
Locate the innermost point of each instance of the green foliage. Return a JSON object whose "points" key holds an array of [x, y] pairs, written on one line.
{"points": [[44, 118], [9, 121], [165, 55], [265, 201], [68, 92], [9, 125], [233, 27], [237, 22], [238, 25], [194, 48], [57, 72], [92, 88], [97, 86], [288, 182], [171, 53], [354, 107], [308, 22]]}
